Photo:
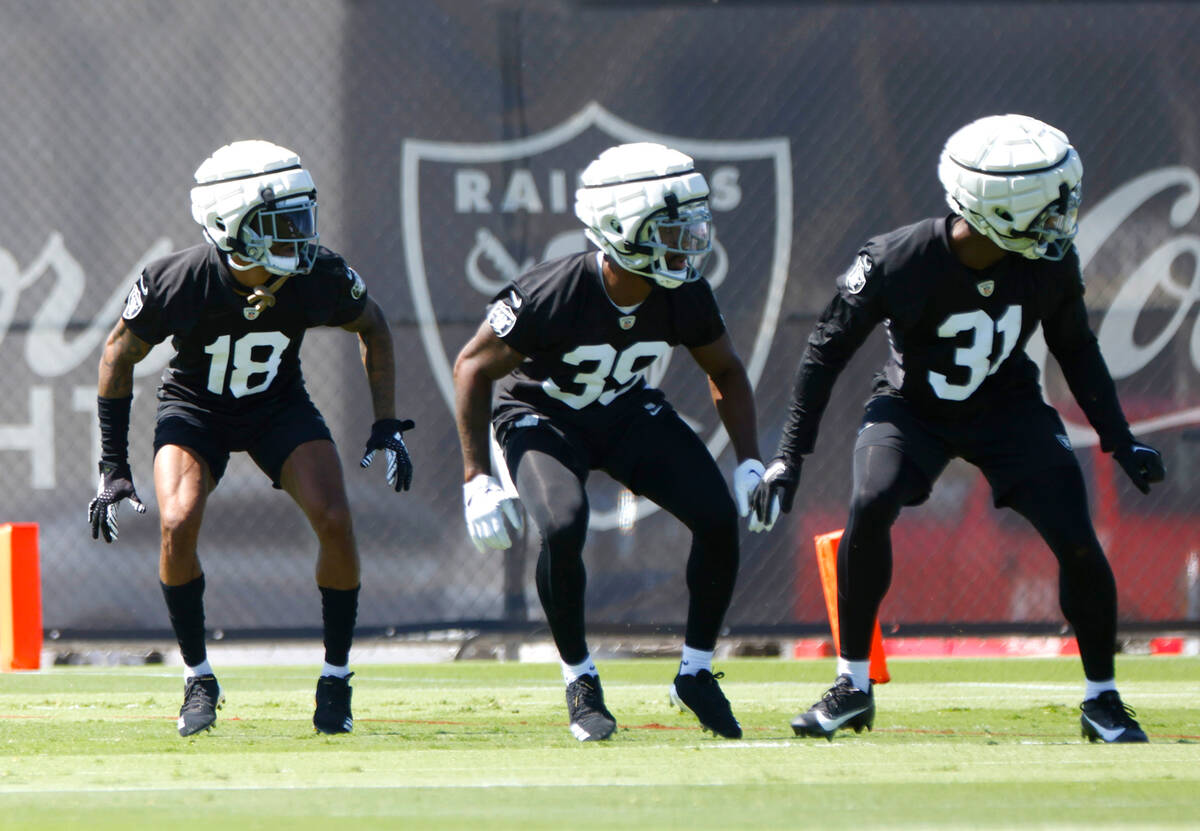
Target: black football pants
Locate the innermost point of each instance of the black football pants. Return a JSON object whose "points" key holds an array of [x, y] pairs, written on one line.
{"points": [[1054, 502], [660, 458]]}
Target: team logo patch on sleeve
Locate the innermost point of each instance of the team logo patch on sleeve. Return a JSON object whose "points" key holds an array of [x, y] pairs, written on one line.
{"points": [[357, 287], [133, 303], [501, 318], [856, 277]]}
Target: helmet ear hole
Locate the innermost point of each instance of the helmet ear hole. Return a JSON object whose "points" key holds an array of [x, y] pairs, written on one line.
{"points": [[1003, 214]]}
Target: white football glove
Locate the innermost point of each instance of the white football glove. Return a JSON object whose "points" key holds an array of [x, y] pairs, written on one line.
{"points": [[486, 505], [746, 477]]}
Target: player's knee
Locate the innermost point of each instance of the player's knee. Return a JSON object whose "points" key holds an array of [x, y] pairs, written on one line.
{"points": [[714, 520], [565, 534], [876, 507], [1081, 551], [332, 521], [179, 521]]}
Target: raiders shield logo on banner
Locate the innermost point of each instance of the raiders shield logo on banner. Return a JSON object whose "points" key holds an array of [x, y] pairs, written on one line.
{"points": [[475, 215]]}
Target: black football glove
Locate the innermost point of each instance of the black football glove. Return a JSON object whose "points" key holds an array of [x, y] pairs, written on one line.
{"points": [[776, 491], [1142, 463], [116, 483], [387, 435]]}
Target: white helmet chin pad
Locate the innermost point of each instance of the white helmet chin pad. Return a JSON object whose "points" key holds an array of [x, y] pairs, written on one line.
{"points": [[255, 200], [646, 207], [1016, 180]]}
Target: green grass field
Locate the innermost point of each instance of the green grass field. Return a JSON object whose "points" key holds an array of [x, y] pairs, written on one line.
{"points": [[957, 744]]}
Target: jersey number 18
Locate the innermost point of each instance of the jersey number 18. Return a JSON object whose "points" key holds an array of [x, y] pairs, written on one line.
{"points": [[244, 363]]}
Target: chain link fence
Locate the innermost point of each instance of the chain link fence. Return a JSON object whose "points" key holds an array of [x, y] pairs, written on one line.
{"points": [[445, 138]]}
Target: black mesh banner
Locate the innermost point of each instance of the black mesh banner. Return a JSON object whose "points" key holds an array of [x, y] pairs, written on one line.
{"points": [[445, 139]]}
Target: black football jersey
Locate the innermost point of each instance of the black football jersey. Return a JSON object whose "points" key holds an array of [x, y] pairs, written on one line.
{"points": [[957, 335], [227, 358], [586, 360]]}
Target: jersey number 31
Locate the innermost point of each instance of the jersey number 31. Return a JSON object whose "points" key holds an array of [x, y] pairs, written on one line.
{"points": [[977, 357]]}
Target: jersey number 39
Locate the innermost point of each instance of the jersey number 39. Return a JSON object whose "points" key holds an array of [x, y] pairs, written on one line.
{"points": [[600, 361]]}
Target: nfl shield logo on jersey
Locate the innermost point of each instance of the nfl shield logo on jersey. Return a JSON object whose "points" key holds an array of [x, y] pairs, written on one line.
{"points": [[501, 207], [856, 278], [986, 287], [501, 318], [133, 303]]}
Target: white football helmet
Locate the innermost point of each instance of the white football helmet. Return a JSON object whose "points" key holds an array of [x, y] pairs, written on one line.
{"points": [[254, 199], [1016, 180], [646, 207]]}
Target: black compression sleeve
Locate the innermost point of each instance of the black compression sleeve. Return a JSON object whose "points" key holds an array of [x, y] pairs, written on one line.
{"points": [[1092, 385], [1073, 344], [114, 428], [839, 332]]}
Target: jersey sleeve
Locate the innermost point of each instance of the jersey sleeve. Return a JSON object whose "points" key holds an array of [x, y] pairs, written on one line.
{"points": [[348, 294], [144, 313], [1070, 339], [840, 330], [515, 318], [701, 319]]}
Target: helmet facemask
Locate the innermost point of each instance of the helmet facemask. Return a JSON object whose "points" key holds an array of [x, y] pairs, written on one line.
{"points": [[1054, 229], [677, 240], [281, 236]]}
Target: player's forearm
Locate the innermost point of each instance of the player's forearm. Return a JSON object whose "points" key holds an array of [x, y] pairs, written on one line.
{"points": [[115, 391], [472, 413], [839, 332], [734, 399], [379, 362], [1091, 383]]}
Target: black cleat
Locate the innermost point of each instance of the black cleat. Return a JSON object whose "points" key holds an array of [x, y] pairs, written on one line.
{"points": [[590, 719], [843, 705], [202, 697], [701, 694], [1106, 718], [333, 705]]}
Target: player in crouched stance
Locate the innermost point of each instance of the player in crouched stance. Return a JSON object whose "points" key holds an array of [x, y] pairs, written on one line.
{"points": [[237, 310], [960, 296], [570, 341]]}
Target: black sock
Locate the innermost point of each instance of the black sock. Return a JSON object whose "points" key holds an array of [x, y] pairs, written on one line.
{"points": [[185, 606], [339, 610]]}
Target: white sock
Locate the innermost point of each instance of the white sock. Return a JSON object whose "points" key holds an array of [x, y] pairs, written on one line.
{"points": [[337, 672], [859, 672], [694, 660], [201, 668], [1092, 689], [584, 667]]}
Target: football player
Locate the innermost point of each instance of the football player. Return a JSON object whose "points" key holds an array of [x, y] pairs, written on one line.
{"points": [[569, 342], [960, 296], [237, 308]]}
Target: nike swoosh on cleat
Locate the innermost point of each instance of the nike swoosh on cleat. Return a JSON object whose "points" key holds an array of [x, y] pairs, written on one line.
{"points": [[1105, 733], [831, 724]]}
